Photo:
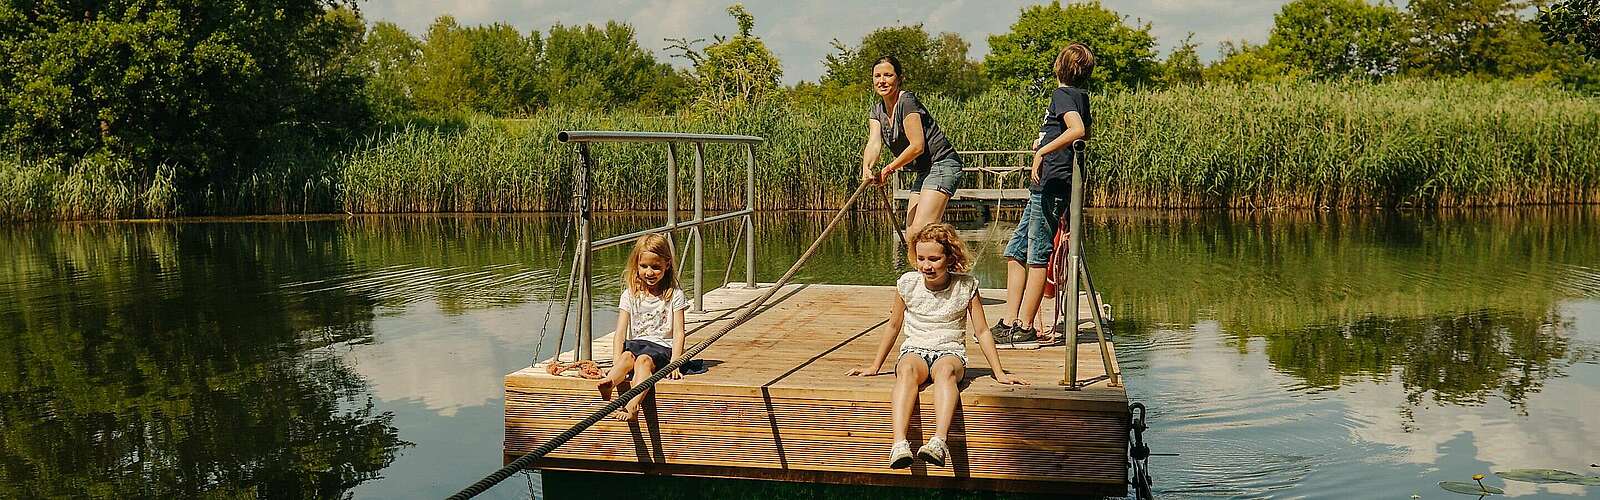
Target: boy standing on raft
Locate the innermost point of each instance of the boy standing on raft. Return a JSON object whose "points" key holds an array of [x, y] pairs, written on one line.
{"points": [[1066, 120]]}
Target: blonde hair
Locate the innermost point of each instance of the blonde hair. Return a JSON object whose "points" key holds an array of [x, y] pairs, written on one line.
{"points": [[955, 252], [1073, 64], [658, 244]]}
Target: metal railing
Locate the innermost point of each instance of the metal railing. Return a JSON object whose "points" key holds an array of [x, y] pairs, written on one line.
{"points": [[980, 165], [587, 246], [1077, 269]]}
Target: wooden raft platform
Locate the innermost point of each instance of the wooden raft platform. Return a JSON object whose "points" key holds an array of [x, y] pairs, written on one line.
{"points": [[776, 404]]}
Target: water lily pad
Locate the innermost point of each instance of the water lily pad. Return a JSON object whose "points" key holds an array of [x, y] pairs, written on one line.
{"points": [[1538, 475], [1548, 476], [1467, 488]]}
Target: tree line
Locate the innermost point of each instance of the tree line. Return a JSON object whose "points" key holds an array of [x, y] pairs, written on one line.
{"points": [[1310, 40], [194, 94]]}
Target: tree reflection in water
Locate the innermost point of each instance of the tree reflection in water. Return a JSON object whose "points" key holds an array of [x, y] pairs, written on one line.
{"points": [[156, 361], [1457, 306]]}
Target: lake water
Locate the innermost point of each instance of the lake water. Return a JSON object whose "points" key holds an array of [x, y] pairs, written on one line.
{"points": [[1294, 354]]}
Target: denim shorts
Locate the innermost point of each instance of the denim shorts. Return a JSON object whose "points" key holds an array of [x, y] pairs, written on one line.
{"points": [[1034, 237], [932, 355], [943, 177]]}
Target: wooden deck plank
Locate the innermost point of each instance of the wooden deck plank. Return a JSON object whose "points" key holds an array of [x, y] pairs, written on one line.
{"points": [[963, 194], [777, 405]]}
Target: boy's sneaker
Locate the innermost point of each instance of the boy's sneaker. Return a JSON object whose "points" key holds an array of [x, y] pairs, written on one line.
{"points": [[1000, 329], [934, 452], [1017, 337], [900, 455]]}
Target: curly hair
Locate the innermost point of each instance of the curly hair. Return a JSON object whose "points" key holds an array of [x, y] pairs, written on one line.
{"points": [[1073, 64], [658, 244], [955, 251]]}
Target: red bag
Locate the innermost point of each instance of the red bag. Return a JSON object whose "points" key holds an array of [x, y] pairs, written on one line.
{"points": [[1057, 268]]}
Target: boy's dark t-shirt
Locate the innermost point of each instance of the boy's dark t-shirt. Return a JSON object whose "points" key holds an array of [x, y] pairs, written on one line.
{"points": [[1055, 174], [935, 146]]}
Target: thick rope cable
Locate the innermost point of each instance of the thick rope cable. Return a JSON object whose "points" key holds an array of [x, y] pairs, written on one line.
{"points": [[649, 382]]}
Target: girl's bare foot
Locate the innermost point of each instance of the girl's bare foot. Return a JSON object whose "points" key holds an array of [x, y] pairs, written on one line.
{"points": [[605, 389], [632, 413], [619, 415]]}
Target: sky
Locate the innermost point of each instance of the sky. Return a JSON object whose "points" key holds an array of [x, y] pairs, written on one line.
{"points": [[800, 32]]}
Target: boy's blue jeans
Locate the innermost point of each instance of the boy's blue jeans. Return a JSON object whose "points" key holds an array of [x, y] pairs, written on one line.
{"points": [[1034, 237]]}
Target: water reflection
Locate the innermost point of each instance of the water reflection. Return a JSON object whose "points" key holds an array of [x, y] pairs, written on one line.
{"points": [[1311, 352], [1456, 307], [160, 361], [1281, 353]]}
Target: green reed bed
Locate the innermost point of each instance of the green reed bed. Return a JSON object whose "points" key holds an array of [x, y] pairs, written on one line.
{"points": [[1303, 145], [1412, 143], [95, 187], [1451, 143], [103, 186]]}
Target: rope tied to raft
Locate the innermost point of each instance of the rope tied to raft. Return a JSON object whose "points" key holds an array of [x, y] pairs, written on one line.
{"points": [[638, 388]]}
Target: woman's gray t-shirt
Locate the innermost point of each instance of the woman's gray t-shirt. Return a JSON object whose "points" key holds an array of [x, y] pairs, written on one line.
{"points": [[935, 146]]}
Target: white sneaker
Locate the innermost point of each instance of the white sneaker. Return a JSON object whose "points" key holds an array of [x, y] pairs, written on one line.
{"points": [[900, 455], [934, 452]]}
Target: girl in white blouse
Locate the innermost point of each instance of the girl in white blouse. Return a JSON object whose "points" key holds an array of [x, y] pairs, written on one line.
{"points": [[933, 306]]}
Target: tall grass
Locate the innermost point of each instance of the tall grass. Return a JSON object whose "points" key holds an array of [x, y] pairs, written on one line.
{"points": [[94, 187], [1409, 143], [1309, 145]]}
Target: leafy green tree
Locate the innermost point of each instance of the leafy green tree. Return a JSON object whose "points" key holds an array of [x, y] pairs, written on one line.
{"points": [[1182, 66], [933, 64], [390, 54], [441, 75], [591, 67], [1340, 38], [733, 69], [1574, 22], [1246, 63], [1125, 55], [1465, 37], [490, 69], [207, 87]]}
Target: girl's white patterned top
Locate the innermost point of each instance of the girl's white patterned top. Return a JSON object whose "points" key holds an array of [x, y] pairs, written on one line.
{"points": [[936, 320]]}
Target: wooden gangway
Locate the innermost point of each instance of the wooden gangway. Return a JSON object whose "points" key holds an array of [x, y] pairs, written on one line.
{"points": [[776, 404], [989, 175]]}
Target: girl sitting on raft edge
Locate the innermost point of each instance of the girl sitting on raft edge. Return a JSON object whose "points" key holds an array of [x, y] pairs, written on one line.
{"points": [[932, 306]]}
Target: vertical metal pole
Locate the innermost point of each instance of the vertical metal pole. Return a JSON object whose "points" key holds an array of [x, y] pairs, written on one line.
{"points": [[1070, 336], [749, 220], [1113, 378], [694, 232], [585, 293], [672, 197]]}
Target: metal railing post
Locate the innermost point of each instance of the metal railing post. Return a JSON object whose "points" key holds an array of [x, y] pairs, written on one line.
{"points": [[694, 232], [585, 348], [749, 220], [1113, 377], [1074, 241], [672, 196], [588, 244]]}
